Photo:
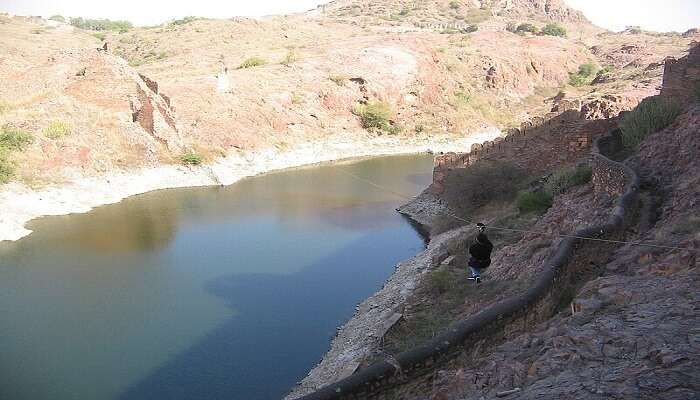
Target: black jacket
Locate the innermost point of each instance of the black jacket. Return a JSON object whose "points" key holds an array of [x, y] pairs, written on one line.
{"points": [[480, 251]]}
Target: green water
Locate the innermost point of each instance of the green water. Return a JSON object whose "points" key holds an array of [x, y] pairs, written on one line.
{"points": [[204, 293]]}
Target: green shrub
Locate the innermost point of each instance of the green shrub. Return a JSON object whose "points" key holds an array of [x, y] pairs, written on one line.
{"points": [[553, 29], [583, 76], [57, 130], [374, 115], [4, 107], [454, 5], [14, 139], [512, 27], [58, 18], [339, 79], [651, 115], [567, 178], [537, 202], [634, 30], [526, 27], [252, 62], [191, 158], [697, 93], [99, 35]]}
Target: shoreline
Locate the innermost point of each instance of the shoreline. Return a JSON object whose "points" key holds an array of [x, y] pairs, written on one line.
{"points": [[357, 339], [21, 204]]}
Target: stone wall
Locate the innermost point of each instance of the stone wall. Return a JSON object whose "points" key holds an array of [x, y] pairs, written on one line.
{"points": [[571, 263], [682, 75], [530, 146]]}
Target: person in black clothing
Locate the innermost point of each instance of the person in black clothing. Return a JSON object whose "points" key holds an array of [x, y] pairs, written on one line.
{"points": [[480, 254]]}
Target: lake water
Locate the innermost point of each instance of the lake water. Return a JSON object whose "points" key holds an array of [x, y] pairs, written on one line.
{"points": [[203, 293]]}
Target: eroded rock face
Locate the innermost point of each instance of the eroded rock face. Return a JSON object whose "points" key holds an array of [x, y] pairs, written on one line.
{"points": [[153, 113]]}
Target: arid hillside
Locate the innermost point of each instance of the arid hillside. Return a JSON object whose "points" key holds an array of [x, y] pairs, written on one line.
{"points": [[192, 90]]}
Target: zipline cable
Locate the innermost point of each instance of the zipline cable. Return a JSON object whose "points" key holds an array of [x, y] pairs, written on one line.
{"points": [[406, 197]]}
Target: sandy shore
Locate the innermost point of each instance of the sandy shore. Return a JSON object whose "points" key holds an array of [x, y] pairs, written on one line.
{"points": [[20, 204]]}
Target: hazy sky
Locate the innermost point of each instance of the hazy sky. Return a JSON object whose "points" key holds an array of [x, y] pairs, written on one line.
{"points": [[658, 15]]}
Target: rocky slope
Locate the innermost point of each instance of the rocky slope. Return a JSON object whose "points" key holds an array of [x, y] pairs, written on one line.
{"points": [[318, 66], [630, 333]]}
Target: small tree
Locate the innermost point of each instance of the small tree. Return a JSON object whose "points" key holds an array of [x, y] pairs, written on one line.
{"points": [[553, 29], [57, 18], [584, 75]]}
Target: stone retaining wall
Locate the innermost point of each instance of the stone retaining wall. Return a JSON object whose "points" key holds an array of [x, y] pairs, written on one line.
{"points": [[567, 129], [567, 267]]}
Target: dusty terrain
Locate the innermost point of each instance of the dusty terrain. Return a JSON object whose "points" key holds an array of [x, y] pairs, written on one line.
{"points": [[160, 92]]}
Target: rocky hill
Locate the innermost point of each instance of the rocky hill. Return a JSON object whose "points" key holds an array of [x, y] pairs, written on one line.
{"points": [[221, 87]]}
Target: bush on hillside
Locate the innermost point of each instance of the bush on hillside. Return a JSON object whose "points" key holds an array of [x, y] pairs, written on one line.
{"points": [[526, 27], [454, 4], [564, 179], [584, 75], [14, 139], [553, 29], [651, 115], [57, 130], [57, 18], [252, 62], [374, 115], [191, 158], [512, 27], [534, 202]]}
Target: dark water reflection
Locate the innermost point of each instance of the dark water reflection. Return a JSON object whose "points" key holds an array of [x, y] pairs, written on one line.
{"points": [[199, 293]]}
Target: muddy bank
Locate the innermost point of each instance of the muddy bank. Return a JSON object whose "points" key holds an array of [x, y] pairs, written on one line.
{"points": [[21, 203]]}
